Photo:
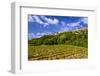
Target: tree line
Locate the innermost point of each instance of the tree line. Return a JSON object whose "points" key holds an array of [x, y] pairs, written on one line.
{"points": [[77, 38]]}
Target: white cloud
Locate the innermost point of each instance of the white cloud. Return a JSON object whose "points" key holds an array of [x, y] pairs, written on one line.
{"points": [[85, 20], [52, 21], [30, 19], [37, 19], [37, 35], [40, 34], [49, 20], [63, 23], [69, 26], [43, 33], [46, 24], [31, 35], [43, 20], [74, 24]]}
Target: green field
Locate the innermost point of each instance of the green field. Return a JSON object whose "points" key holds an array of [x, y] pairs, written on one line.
{"points": [[53, 52]]}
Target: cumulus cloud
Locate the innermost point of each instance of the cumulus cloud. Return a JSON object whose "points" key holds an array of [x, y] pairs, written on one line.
{"points": [[30, 19], [84, 20], [43, 20], [43, 33], [37, 19], [40, 34], [49, 20], [31, 35], [74, 24], [78, 23], [63, 23], [71, 26], [45, 24], [37, 35]]}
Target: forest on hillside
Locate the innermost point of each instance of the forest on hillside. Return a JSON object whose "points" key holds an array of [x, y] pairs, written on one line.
{"points": [[64, 45], [77, 38]]}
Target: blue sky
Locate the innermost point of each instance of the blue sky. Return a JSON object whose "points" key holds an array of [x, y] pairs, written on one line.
{"points": [[39, 25]]}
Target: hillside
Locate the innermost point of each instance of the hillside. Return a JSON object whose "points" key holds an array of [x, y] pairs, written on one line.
{"points": [[76, 37], [63, 45]]}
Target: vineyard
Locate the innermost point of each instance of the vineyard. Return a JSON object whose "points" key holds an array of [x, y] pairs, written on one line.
{"points": [[65, 45], [52, 52]]}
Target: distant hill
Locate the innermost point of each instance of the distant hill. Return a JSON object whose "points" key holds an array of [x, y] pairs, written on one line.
{"points": [[75, 37]]}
